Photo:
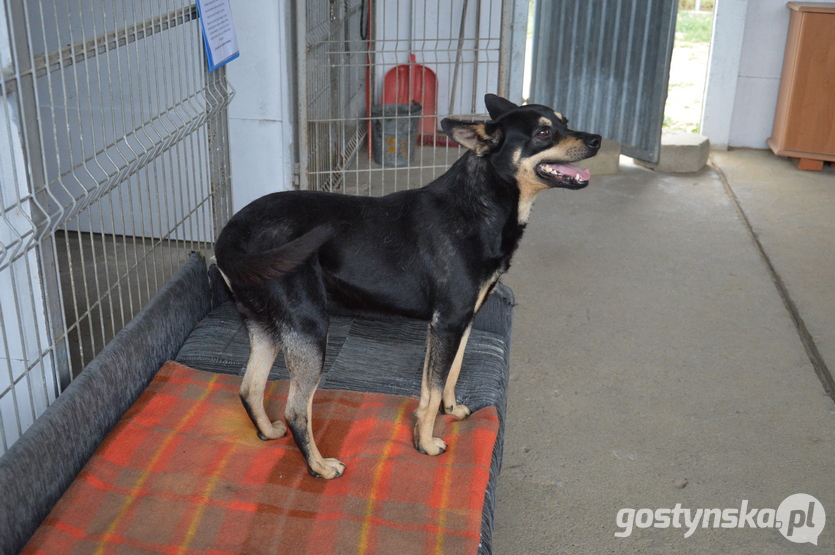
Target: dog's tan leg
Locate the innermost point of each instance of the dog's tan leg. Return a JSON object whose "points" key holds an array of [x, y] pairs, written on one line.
{"points": [[263, 350], [450, 406], [305, 359], [430, 402], [440, 352]]}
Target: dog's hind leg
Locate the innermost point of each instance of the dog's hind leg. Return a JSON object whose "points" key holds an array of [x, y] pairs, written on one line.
{"points": [[450, 406], [263, 350], [305, 356]]}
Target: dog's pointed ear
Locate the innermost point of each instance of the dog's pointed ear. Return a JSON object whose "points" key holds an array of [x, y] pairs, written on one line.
{"points": [[497, 106], [480, 137]]}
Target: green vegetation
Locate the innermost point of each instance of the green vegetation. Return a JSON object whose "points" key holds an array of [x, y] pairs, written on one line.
{"points": [[694, 26], [691, 5]]}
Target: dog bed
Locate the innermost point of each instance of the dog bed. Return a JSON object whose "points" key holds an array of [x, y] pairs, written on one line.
{"points": [[183, 472], [193, 321]]}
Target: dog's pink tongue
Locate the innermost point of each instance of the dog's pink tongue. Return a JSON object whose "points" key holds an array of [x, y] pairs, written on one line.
{"points": [[572, 171]]}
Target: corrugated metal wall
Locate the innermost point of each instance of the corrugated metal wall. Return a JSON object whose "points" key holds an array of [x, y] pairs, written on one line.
{"points": [[605, 65]]}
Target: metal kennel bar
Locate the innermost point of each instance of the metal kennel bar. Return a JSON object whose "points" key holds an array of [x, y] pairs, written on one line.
{"points": [[355, 54], [114, 166]]}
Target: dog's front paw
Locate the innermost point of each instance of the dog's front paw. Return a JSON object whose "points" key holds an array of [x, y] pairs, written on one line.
{"points": [[277, 431], [329, 469], [459, 411], [435, 446]]}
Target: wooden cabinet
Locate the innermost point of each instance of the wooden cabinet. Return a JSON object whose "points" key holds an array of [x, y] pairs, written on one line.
{"points": [[804, 124]]}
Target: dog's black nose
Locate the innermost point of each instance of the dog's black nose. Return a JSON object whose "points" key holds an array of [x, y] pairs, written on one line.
{"points": [[593, 141]]}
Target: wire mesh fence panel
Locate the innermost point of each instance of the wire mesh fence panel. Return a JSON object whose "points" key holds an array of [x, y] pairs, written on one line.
{"points": [[376, 79], [113, 168]]}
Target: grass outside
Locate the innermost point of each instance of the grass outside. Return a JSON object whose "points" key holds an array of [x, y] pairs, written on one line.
{"points": [[694, 26], [688, 71]]}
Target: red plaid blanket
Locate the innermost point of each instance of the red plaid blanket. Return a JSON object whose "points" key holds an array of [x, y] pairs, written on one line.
{"points": [[183, 472]]}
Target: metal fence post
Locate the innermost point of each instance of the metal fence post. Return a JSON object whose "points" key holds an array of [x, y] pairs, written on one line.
{"points": [[301, 95], [217, 129], [40, 201]]}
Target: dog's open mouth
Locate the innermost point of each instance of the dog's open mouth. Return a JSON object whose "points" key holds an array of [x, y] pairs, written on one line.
{"points": [[563, 175]]}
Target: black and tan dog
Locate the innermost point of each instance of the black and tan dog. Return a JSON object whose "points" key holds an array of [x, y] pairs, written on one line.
{"points": [[433, 253]]}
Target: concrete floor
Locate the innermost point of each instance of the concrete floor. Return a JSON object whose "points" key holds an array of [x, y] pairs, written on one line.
{"points": [[655, 361]]}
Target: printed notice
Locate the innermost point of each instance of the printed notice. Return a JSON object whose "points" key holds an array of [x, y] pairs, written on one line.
{"points": [[218, 32]]}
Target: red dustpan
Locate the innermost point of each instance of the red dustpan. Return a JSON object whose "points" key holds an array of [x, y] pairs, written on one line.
{"points": [[414, 82]]}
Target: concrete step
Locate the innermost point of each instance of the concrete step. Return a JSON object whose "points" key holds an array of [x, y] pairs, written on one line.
{"points": [[680, 153]]}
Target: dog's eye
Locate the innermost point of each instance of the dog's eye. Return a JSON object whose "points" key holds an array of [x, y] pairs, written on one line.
{"points": [[543, 133]]}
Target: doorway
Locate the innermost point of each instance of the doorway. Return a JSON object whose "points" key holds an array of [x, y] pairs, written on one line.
{"points": [[688, 68]]}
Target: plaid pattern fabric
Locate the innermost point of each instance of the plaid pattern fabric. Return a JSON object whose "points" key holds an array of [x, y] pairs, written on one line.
{"points": [[183, 472]]}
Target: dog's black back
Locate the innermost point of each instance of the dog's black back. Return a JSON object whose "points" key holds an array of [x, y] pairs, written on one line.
{"points": [[399, 253]]}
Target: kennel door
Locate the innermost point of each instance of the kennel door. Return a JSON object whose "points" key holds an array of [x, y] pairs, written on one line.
{"points": [[605, 64]]}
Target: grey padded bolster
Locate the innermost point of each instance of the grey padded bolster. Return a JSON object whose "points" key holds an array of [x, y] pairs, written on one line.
{"points": [[41, 465]]}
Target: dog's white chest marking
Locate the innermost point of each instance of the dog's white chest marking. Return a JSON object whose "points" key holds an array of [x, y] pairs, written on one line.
{"points": [[525, 205], [528, 190]]}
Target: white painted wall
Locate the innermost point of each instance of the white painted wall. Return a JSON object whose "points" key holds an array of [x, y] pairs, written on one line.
{"points": [[260, 115], [766, 27], [749, 38]]}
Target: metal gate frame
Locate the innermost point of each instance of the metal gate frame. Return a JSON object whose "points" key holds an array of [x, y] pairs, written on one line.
{"points": [[333, 96], [114, 166]]}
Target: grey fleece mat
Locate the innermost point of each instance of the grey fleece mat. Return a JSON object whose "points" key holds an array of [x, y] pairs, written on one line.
{"points": [[220, 343], [382, 356], [387, 357]]}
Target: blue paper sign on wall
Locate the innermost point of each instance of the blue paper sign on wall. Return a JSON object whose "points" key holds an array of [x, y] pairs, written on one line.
{"points": [[218, 32]]}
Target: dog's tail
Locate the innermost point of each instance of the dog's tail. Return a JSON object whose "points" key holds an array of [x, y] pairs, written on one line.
{"points": [[256, 268]]}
